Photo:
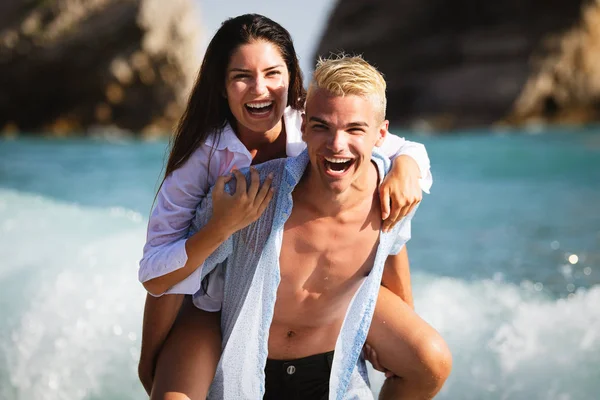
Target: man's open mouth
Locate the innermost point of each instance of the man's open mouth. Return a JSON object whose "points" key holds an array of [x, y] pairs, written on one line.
{"points": [[335, 165], [259, 109]]}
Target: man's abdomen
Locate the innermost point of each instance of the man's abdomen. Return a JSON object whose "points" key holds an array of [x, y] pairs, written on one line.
{"points": [[306, 323]]}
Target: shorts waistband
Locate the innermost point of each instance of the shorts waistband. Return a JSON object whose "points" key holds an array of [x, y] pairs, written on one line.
{"points": [[322, 359]]}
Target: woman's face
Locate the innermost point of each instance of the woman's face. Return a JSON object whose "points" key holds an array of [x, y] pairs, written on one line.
{"points": [[257, 82]]}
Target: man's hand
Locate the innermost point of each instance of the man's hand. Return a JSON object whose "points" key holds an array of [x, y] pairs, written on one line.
{"points": [[236, 211], [400, 191], [370, 355]]}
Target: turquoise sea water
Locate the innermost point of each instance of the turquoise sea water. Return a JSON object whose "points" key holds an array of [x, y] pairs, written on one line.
{"points": [[505, 260]]}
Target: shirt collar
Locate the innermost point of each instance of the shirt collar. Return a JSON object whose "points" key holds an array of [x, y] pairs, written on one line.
{"points": [[228, 140]]}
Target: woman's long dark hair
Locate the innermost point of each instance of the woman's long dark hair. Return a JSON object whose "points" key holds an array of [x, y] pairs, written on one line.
{"points": [[207, 110]]}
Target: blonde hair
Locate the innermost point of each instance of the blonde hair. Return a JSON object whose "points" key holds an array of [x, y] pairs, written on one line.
{"points": [[343, 75]]}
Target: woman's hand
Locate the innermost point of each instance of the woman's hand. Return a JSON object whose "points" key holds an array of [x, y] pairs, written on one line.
{"points": [[234, 212], [400, 191]]}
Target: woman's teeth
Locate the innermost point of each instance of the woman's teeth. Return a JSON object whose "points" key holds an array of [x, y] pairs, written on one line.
{"points": [[259, 105], [259, 109]]}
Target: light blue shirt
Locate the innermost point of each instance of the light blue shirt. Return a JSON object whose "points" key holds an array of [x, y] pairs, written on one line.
{"points": [[249, 260]]}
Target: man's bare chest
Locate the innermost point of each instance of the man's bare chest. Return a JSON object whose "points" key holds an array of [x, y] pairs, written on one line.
{"points": [[321, 256]]}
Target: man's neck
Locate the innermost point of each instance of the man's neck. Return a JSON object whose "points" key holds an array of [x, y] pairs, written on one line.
{"points": [[312, 193]]}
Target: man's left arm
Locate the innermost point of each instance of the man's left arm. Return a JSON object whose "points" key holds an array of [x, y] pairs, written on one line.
{"points": [[396, 276], [396, 271]]}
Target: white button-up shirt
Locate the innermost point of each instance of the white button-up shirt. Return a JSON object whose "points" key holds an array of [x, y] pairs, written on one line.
{"points": [[185, 188], [249, 261]]}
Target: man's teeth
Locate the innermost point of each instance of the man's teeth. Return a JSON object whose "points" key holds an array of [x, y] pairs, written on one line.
{"points": [[337, 160], [259, 105]]}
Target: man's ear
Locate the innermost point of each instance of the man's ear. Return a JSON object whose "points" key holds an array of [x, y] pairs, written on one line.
{"points": [[303, 126], [382, 133]]}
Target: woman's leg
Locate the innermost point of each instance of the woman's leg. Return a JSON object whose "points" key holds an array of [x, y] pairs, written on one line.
{"points": [[159, 315], [410, 348], [188, 360]]}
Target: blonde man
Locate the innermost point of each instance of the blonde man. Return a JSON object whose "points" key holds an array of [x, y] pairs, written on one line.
{"points": [[303, 283]]}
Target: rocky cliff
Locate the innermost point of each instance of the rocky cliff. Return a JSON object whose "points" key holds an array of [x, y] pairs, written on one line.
{"points": [[454, 64], [83, 65]]}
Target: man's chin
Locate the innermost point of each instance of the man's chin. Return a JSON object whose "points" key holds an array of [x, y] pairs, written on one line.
{"points": [[336, 186]]}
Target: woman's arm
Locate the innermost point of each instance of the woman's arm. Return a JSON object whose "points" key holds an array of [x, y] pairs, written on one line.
{"points": [[169, 249], [395, 146], [176, 202], [165, 249], [230, 213], [401, 189]]}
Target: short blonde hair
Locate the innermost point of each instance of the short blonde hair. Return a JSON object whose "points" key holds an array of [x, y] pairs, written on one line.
{"points": [[343, 75]]}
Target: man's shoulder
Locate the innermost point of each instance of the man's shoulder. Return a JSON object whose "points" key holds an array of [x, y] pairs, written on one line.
{"points": [[275, 167], [381, 161], [271, 165]]}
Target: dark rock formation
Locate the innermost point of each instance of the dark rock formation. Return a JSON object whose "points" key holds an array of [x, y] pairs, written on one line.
{"points": [[461, 63], [72, 65]]}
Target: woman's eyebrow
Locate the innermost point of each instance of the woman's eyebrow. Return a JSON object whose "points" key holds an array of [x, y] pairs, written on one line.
{"points": [[247, 70]]}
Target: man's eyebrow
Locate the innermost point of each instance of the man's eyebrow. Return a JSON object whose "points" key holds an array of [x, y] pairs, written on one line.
{"points": [[318, 120], [264, 70], [357, 124]]}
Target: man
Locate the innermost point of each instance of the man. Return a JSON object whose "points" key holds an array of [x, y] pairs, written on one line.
{"points": [[301, 282]]}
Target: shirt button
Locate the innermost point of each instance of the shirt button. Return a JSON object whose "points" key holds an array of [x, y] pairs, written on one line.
{"points": [[291, 370]]}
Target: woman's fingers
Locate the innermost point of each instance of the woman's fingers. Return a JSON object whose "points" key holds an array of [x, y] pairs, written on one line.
{"points": [[384, 195], [391, 220], [247, 203], [264, 190], [254, 183], [400, 208], [240, 185], [220, 183], [412, 206]]}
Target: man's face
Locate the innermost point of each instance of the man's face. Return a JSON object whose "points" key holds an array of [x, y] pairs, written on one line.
{"points": [[340, 133]]}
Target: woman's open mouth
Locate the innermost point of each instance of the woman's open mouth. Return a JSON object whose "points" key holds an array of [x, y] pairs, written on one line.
{"points": [[259, 108], [337, 166]]}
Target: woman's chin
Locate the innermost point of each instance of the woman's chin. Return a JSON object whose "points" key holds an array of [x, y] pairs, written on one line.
{"points": [[260, 123]]}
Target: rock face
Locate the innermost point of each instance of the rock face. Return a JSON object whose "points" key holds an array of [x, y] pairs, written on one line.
{"points": [[79, 65], [462, 63]]}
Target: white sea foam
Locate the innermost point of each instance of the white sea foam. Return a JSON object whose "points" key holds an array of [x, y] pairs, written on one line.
{"points": [[72, 310], [512, 342], [73, 330]]}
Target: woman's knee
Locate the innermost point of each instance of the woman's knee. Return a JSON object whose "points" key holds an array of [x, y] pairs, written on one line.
{"points": [[171, 396], [436, 360]]}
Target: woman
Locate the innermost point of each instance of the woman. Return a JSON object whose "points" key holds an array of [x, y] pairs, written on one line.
{"points": [[245, 108]]}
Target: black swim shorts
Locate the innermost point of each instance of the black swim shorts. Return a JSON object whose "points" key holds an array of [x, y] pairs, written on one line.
{"points": [[301, 379]]}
